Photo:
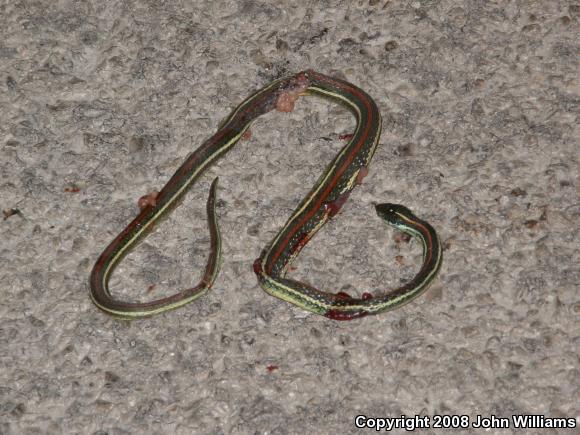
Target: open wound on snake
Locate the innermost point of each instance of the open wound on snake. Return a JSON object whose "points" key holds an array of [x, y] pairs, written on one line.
{"points": [[149, 200], [286, 100]]}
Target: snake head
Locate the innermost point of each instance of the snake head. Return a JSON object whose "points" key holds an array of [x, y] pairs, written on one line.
{"points": [[396, 215]]}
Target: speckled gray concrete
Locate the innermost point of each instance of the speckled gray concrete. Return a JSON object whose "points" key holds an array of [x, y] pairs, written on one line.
{"points": [[100, 104]]}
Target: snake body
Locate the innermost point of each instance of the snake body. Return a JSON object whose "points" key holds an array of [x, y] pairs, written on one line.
{"points": [[322, 203]]}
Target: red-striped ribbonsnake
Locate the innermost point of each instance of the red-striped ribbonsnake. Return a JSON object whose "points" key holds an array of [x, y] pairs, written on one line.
{"points": [[322, 203]]}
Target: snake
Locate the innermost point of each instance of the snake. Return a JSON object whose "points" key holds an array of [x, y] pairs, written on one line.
{"points": [[320, 205]]}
